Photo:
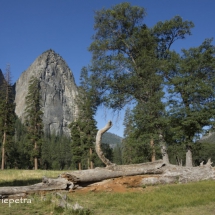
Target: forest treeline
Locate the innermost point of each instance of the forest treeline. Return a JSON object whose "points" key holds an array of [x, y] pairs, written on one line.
{"points": [[169, 98]]}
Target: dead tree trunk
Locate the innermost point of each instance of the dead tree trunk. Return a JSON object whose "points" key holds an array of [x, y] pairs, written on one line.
{"points": [[3, 150], [98, 144], [164, 150], [153, 157], [189, 160]]}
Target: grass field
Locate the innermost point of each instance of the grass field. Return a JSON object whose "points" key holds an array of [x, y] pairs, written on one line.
{"points": [[183, 199], [25, 177]]}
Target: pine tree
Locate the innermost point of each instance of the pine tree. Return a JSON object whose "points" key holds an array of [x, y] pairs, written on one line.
{"points": [[7, 119], [22, 155], [83, 129], [33, 120]]}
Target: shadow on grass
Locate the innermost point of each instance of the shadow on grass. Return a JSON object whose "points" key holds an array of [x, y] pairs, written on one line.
{"points": [[25, 182]]}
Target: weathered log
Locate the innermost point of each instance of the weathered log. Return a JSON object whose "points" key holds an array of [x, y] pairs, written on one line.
{"points": [[99, 174], [67, 180]]}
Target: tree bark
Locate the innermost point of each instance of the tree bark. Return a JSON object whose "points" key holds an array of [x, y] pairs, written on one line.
{"points": [[35, 158], [153, 158], [189, 160], [164, 150], [164, 154], [3, 151]]}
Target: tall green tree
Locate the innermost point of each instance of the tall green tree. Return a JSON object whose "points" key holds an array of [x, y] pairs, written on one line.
{"points": [[7, 119], [127, 62], [33, 120], [83, 129], [191, 80]]}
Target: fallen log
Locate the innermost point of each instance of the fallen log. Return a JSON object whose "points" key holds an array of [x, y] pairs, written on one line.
{"points": [[99, 174]]}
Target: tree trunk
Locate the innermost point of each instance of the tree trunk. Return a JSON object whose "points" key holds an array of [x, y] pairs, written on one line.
{"points": [[91, 165], [35, 158], [3, 150], [98, 144], [164, 154], [164, 150], [153, 158], [90, 161], [189, 160]]}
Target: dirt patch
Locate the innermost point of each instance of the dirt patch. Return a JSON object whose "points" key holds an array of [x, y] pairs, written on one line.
{"points": [[122, 184]]}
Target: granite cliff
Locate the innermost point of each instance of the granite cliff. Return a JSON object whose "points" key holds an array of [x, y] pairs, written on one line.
{"points": [[58, 91]]}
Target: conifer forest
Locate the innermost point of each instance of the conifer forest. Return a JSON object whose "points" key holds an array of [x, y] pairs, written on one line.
{"points": [[168, 98]]}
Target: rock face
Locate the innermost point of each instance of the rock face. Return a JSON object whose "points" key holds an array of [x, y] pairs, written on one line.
{"points": [[58, 90]]}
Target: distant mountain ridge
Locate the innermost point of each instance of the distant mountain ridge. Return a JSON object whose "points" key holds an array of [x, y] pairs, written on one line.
{"points": [[209, 138], [111, 139]]}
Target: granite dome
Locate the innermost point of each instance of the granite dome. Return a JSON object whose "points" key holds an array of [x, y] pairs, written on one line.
{"points": [[58, 90]]}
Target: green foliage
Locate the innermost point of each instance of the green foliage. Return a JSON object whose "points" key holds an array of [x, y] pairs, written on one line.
{"points": [[119, 67], [167, 32], [56, 153], [83, 129], [176, 153], [191, 82], [22, 156], [202, 152]]}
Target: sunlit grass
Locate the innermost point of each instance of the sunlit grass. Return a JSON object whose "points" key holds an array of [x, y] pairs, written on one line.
{"points": [[13, 177], [159, 200]]}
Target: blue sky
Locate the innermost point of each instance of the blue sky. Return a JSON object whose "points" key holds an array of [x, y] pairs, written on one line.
{"points": [[30, 27]]}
